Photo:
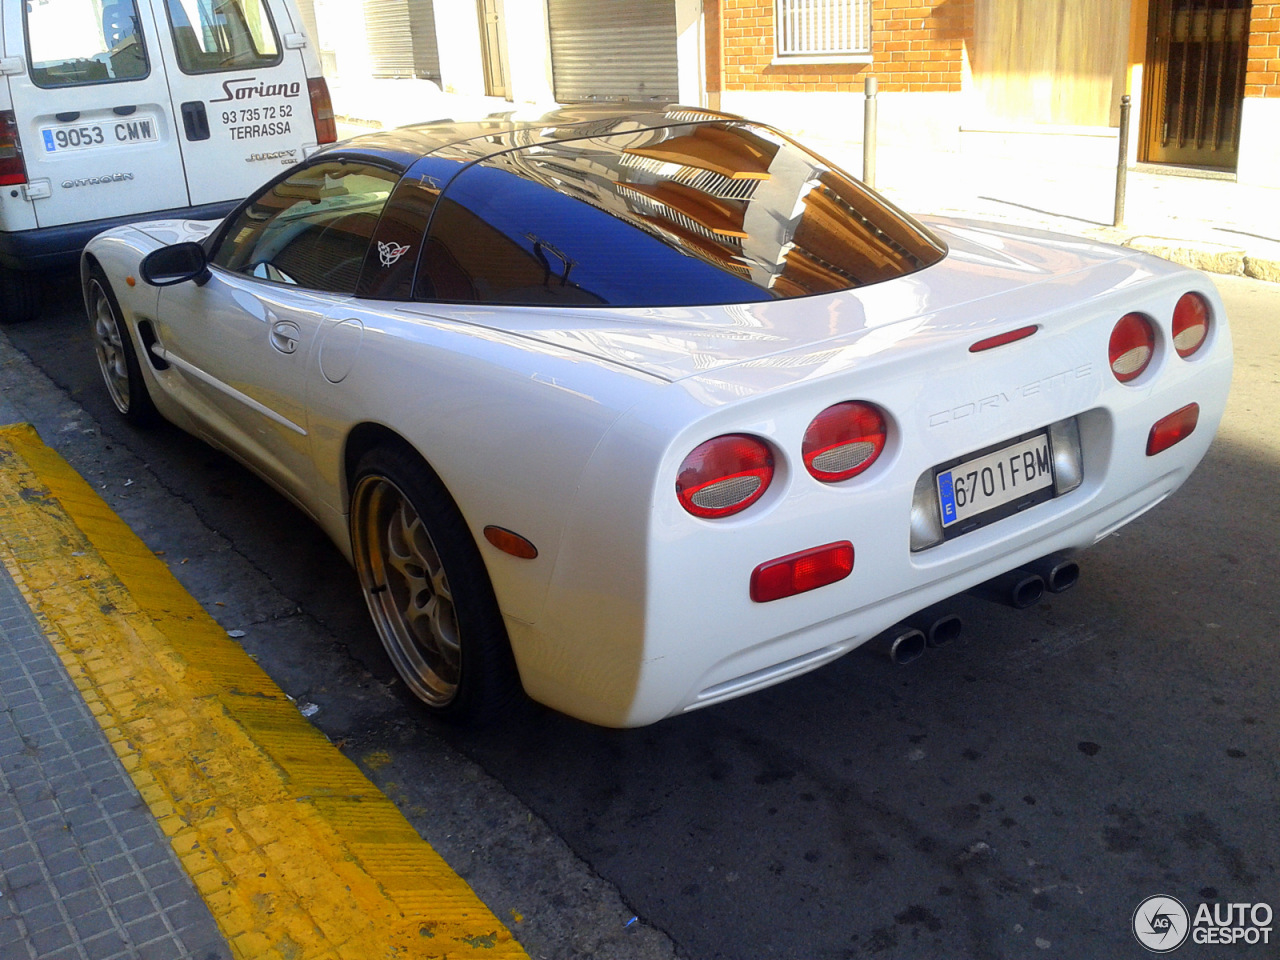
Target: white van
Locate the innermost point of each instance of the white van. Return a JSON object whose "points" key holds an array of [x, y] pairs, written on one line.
{"points": [[119, 110]]}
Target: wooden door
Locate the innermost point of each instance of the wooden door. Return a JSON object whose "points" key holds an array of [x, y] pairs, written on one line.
{"points": [[1194, 82], [1056, 62]]}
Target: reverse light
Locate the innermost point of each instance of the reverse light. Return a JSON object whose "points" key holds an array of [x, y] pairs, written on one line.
{"points": [[724, 476], [1172, 429], [12, 169], [799, 572], [843, 441], [322, 110], [1190, 324], [1133, 343]]}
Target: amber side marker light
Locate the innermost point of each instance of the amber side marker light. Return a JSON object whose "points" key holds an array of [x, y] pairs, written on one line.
{"points": [[1000, 339], [798, 572], [1172, 429], [511, 543]]}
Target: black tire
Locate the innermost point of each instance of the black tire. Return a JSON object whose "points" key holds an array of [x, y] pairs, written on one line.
{"points": [[117, 358], [428, 591], [19, 296]]}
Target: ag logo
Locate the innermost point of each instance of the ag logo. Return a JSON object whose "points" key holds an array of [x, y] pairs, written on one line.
{"points": [[1161, 924], [389, 253]]}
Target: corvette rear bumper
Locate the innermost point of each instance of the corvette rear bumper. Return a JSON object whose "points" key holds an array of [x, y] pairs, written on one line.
{"points": [[670, 627]]}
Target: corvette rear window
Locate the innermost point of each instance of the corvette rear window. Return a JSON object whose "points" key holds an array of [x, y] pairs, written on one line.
{"points": [[686, 215]]}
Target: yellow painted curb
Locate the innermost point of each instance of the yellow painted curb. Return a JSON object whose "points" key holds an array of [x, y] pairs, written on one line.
{"points": [[297, 854]]}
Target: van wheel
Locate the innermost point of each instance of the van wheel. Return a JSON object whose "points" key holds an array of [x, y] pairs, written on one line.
{"points": [[117, 359], [428, 591], [20, 296]]}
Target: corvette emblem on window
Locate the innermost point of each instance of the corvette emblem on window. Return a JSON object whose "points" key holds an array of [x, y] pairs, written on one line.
{"points": [[389, 253]]}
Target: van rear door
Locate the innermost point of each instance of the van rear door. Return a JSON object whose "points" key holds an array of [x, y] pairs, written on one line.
{"points": [[239, 86], [93, 110]]}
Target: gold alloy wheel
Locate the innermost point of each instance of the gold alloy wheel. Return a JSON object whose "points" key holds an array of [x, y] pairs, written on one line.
{"points": [[407, 589]]}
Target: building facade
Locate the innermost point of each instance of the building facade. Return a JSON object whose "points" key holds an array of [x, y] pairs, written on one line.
{"points": [[1015, 77]]}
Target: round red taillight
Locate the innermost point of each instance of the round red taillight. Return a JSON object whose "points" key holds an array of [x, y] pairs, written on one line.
{"points": [[1133, 342], [1190, 324], [724, 476], [843, 441]]}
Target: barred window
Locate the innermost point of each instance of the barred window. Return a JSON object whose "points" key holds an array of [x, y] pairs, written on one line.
{"points": [[822, 28]]}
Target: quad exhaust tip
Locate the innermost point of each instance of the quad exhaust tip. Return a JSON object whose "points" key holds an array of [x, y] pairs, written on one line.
{"points": [[940, 627], [905, 644], [1024, 587], [908, 641], [1059, 573], [1017, 588]]}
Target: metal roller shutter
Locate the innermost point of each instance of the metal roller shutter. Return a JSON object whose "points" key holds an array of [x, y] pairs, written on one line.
{"points": [[402, 38], [613, 49]]}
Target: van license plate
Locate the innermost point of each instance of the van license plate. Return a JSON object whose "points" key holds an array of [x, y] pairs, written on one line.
{"points": [[86, 136], [987, 482]]}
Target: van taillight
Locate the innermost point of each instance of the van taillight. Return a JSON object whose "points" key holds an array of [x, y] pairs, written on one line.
{"points": [[12, 169], [322, 111]]}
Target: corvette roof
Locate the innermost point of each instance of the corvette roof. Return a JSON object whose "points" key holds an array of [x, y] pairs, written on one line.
{"points": [[497, 133]]}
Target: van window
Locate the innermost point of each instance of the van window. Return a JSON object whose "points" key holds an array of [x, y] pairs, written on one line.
{"points": [[311, 229], [73, 42], [213, 35]]}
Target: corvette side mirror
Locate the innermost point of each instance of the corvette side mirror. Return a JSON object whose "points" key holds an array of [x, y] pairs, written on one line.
{"points": [[175, 264]]}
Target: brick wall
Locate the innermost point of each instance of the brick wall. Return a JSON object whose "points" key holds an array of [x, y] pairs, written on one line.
{"points": [[1262, 76], [917, 47]]}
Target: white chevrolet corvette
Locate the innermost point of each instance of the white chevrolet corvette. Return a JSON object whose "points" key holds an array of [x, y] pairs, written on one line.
{"points": [[639, 412]]}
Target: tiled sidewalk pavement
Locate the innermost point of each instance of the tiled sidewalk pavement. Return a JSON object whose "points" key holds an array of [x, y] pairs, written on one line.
{"points": [[85, 872], [297, 855]]}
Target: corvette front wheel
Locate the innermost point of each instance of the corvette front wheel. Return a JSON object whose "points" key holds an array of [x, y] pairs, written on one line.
{"points": [[117, 359], [428, 591]]}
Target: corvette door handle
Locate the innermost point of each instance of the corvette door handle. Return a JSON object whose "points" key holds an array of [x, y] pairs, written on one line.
{"points": [[284, 336]]}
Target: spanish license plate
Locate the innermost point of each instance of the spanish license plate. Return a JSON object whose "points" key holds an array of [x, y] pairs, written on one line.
{"points": [[1006, 476], [87, 136]]}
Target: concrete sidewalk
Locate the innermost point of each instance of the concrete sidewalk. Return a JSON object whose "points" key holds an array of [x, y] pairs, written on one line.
{"points": [[85, 871]]}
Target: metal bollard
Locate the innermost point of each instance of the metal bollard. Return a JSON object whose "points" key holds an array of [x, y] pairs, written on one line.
{"points": [[869, 134], [1122, 166]]}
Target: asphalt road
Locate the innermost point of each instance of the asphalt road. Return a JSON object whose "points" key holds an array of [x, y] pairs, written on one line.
{"points": [[1016, 794]]}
